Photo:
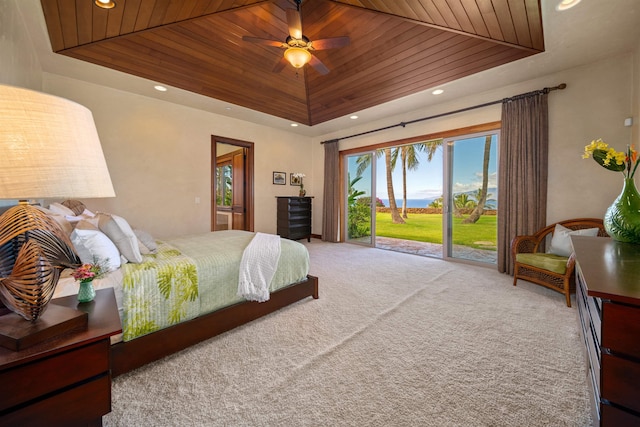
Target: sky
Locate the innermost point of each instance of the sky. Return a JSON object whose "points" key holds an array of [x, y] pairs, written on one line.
{"points": [[427, 181]]}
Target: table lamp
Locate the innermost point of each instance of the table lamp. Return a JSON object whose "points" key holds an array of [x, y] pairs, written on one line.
{"points": [[49, 148]]}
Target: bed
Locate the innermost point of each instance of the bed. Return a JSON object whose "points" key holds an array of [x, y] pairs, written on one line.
{"points": [[185, 291]]}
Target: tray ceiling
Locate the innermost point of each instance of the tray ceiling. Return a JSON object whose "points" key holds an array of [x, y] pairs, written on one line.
{"points": [[397, 48]]}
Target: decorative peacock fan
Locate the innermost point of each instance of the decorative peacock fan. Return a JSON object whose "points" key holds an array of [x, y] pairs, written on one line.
{"points": [[33, 251]]}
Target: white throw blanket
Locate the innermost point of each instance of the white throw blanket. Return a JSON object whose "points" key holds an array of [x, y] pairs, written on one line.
{"points": [[257, 267]]}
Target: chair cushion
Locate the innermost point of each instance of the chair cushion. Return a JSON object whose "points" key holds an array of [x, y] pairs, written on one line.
{"points": [[550, 262]]}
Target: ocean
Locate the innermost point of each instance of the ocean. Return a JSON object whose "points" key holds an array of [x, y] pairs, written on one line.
{"points": [[411, 203]]}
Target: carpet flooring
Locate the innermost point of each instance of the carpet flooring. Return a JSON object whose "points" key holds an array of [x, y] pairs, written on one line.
{"points": [[394, 340]]}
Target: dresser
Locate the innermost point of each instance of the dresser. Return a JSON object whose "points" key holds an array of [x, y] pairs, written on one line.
{"points": [[608, 297], [65, 381], [294, 217]]}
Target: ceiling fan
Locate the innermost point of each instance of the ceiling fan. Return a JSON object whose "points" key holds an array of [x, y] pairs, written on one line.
{"points": [[298, 48]]}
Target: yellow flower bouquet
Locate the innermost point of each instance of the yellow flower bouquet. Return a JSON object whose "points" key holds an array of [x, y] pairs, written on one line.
{"points": [[622, 218], [607, 157]]}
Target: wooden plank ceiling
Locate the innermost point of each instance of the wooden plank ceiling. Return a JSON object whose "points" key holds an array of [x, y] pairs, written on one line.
{"points": [[397, 47]]}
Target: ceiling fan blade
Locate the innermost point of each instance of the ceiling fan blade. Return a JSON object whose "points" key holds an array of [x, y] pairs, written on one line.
{"points": [[330, 43], [295, 24], [266, 42], [318, 65], [280, 65]]}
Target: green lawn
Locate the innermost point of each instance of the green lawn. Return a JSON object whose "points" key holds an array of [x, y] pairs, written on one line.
{"points": [[428, 228]]}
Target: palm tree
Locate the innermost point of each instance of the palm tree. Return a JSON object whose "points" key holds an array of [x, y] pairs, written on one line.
{"points": [[482, 195], [363, 163], [437, 203], [409, 161], [462, 201], [393, 207]]}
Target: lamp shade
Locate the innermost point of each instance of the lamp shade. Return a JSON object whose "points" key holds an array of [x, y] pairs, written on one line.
{"points": [[49, 148], [297, 56]]}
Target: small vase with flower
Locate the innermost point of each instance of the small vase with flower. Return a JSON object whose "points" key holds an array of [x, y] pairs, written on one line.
{"points": [[86, 274], [300, 177]]}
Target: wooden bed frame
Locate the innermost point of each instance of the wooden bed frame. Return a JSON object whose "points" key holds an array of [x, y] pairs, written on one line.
{"points": [[126, 356]]}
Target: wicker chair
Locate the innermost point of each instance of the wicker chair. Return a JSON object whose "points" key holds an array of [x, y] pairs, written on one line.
{"points": [[533, 264]]}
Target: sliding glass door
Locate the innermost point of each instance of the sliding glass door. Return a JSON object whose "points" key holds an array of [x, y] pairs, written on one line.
{"points": [[360, 198], [471, 180], [436, 197]]}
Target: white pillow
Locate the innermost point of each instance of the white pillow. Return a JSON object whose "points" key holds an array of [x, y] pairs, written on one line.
{"points": [[561, 241], [93, 245], [61, 209], [121, 234]]}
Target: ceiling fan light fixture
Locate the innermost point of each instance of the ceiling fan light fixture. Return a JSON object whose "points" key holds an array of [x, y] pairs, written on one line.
{"points": [[297, 56], [105, 4]]}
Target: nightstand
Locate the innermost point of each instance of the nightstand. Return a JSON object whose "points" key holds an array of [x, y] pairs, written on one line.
{"points": [[66, 380]]}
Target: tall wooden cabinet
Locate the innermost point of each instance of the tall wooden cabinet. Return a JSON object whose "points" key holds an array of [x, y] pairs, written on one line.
{"points": [[294, 217], [608, 296]]}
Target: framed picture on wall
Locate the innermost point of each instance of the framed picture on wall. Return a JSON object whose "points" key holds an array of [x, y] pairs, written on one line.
{"points": [[279, 178], [294, 180]]}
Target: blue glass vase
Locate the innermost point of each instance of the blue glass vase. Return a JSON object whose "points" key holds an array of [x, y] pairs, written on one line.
{"points": [[87, 292], [622, 219]]}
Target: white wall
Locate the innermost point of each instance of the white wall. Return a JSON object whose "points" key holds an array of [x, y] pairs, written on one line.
{"points": [[594, 105], [19, 65], [159, 158]]}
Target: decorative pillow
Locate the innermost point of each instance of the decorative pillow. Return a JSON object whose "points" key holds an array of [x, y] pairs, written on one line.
{"points": [[93, 245], [85, 215], [561, 241], [75, 205], [60, 219], [147, 240], [121, 234], [143, 249], [60, 209], [86, 224]]}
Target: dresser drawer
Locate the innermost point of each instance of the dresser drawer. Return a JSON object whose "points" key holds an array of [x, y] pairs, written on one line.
{"points": [[621, 329], [52, 373], [620, 384], [612, 416], [77, 406], [592, 345], [300, 201]]}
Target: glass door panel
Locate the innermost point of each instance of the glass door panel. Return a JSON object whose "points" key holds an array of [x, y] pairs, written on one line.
{"points": [[471, 220], [360, 190]]}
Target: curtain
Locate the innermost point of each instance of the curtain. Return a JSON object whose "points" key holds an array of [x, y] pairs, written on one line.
{"points": [[523, 166], [331, 195]]}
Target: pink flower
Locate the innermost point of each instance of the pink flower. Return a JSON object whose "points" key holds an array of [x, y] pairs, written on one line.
{"points": [[88, 272]]}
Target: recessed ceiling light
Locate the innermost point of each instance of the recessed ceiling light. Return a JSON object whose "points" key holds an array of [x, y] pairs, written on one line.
{"points": [[105, 4], [567, 4], [227, 108], [353, 117], [294, 125], [160, 88], [437, 91]]}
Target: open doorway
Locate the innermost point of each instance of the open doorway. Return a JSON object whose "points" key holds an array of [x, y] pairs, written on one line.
{"points": [[232, 177]]}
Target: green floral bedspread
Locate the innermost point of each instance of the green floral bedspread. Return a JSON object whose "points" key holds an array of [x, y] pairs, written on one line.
{"points": [[159, 292], [193, 275]]}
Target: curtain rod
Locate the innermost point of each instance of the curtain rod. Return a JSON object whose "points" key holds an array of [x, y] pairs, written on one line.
{"points": [[403, 124]]}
